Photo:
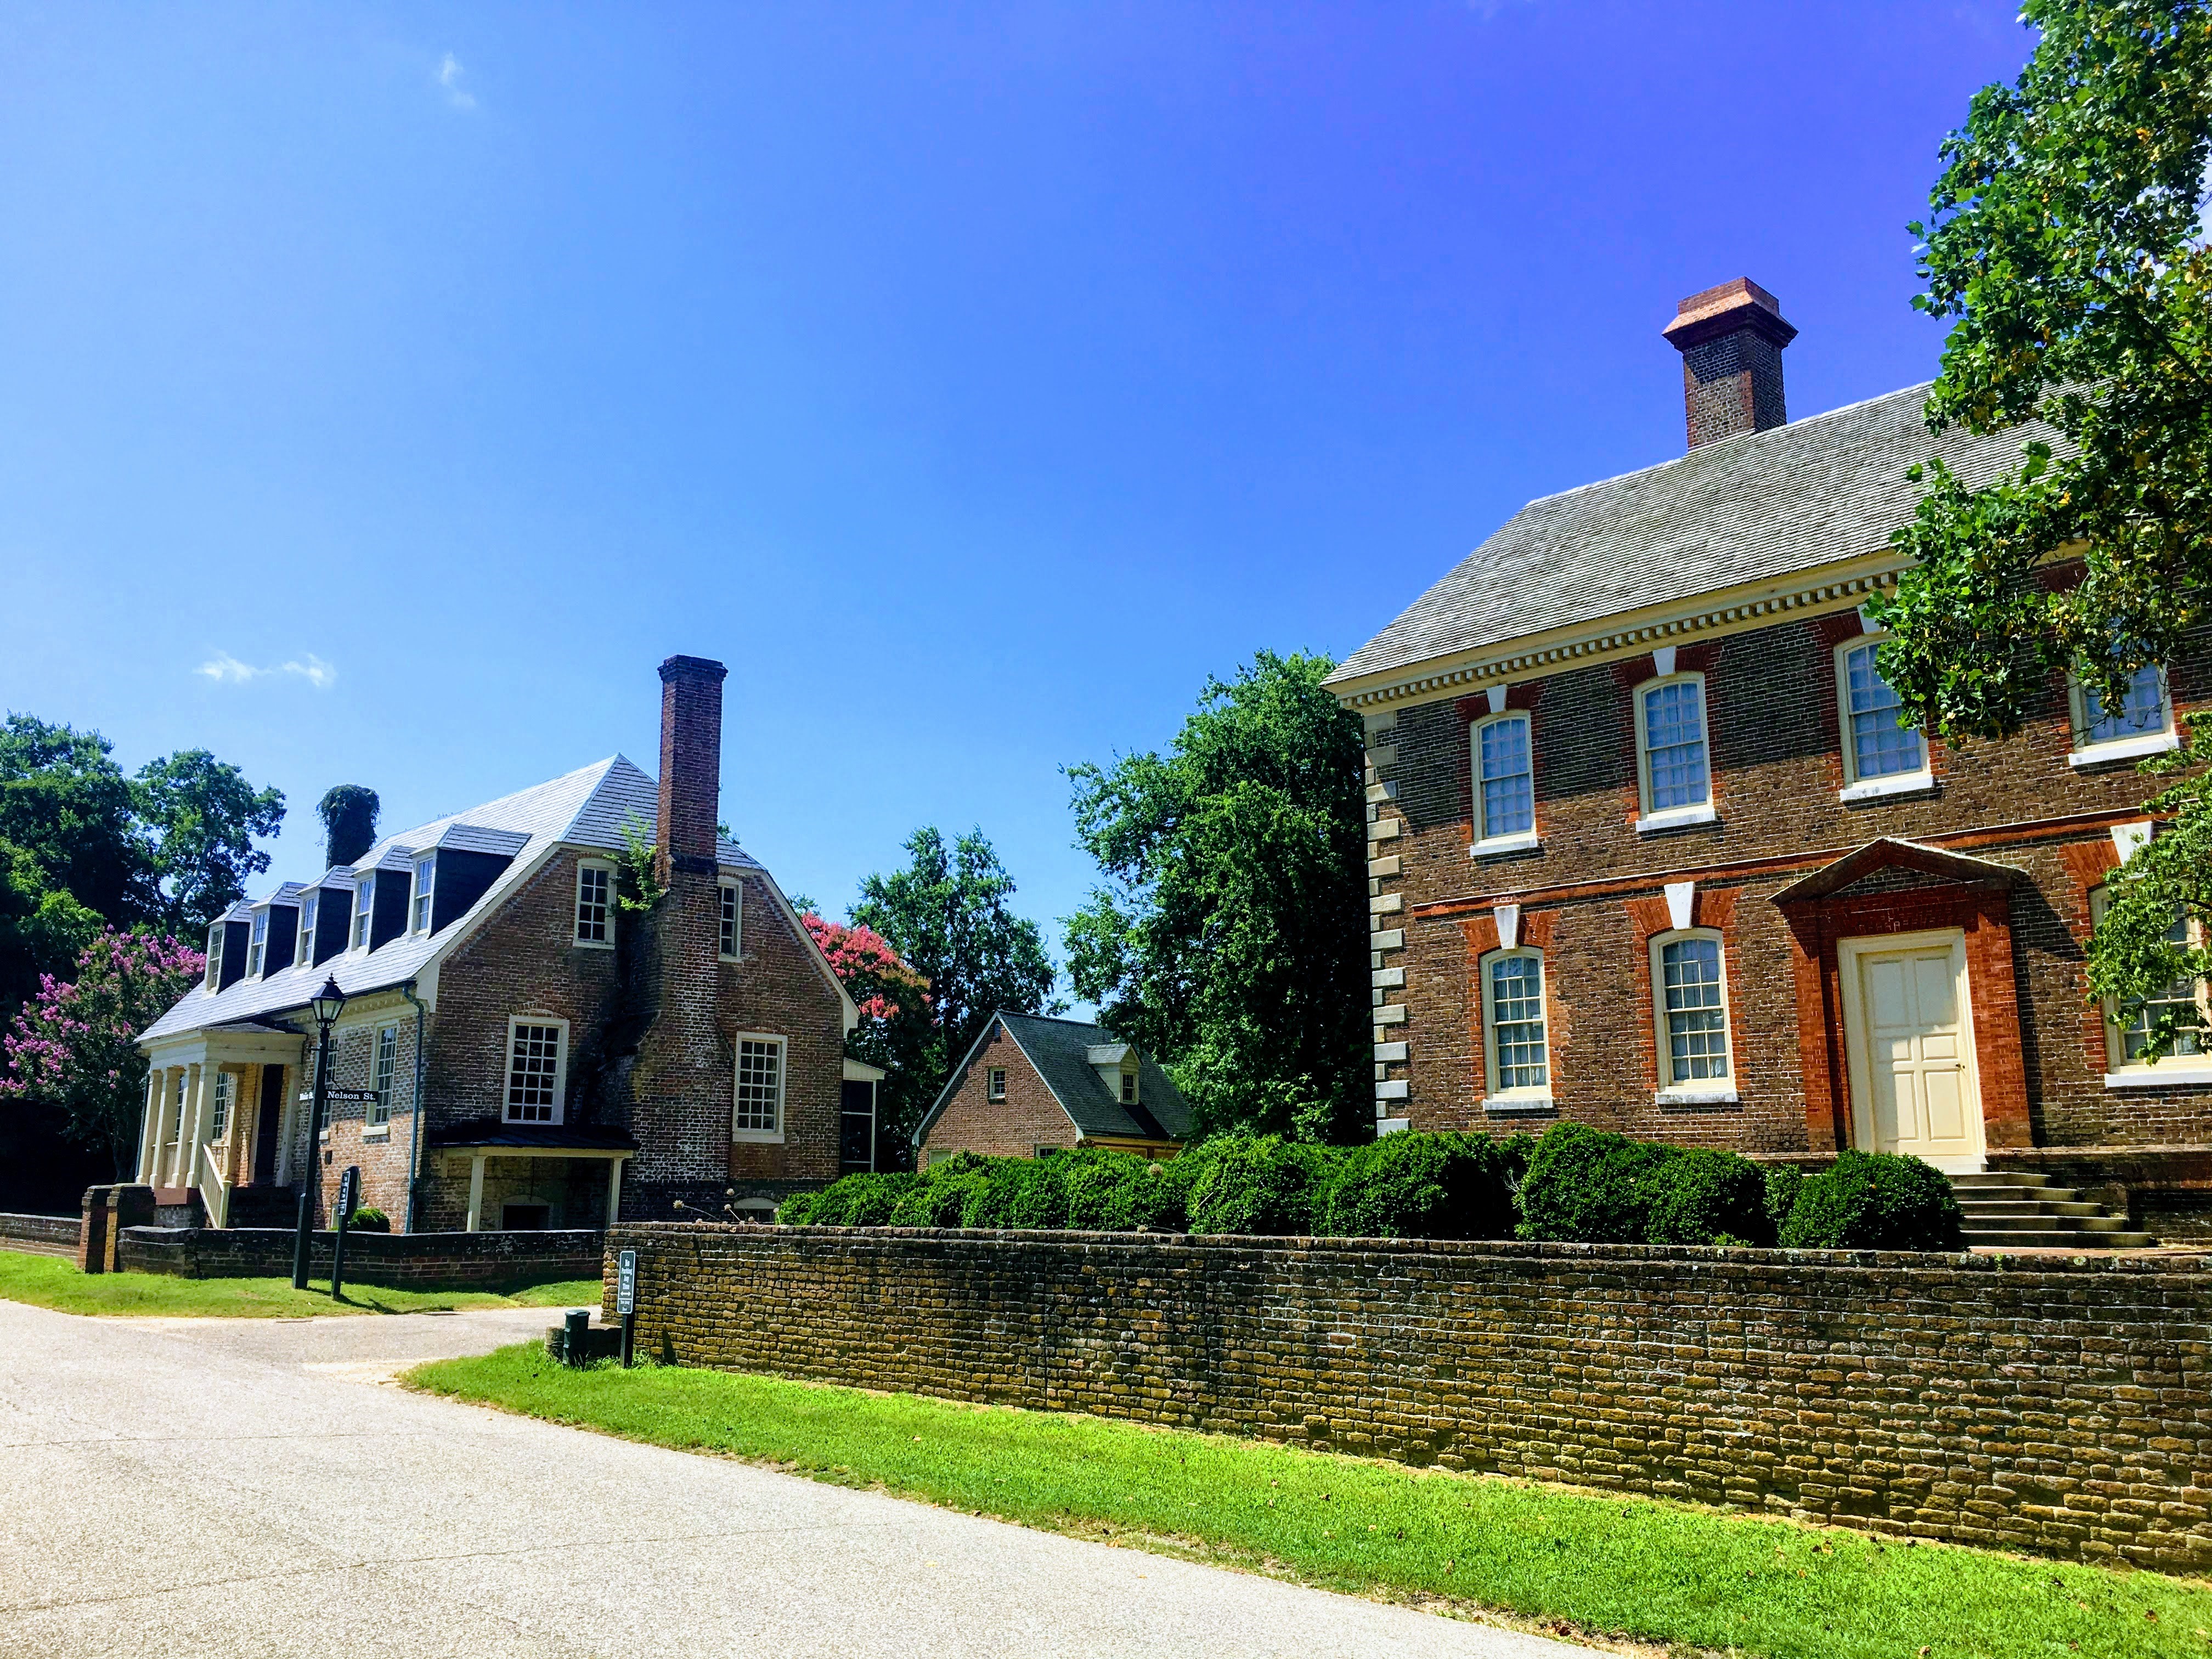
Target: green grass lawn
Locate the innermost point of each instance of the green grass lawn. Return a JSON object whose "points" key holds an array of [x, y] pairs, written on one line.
{"points": [[48, 1281], [1655, 1571]]}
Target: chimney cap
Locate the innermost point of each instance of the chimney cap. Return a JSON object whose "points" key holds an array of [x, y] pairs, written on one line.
{"points": [[1714, 312], [692, 668]]}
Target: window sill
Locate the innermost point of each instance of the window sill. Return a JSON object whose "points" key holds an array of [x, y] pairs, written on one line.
{"points": [[594, 944], [383, 1131], [1490, 847], [757, 1137], [2160, 1077], [1901, 783], [2125, 749], [732, 961], [1677, 818], [1518, 1105], [1695, 1099]]}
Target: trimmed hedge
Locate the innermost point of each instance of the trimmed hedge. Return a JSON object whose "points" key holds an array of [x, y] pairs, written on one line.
{"points": [[1875, 1201], [368, 1219], [1589, 1187], [1258, 1185], [1413, 1185]]}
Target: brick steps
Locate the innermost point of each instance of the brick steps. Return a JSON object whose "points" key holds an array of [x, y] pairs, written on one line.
{"points": [[2026, 1211]]}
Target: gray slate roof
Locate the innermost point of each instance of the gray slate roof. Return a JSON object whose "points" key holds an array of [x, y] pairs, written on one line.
{"points": [[586, 808], [1060, 1049], [1765, 504]]}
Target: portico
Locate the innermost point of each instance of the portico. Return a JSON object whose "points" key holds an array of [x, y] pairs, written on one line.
{"points": [[207, 1092]]}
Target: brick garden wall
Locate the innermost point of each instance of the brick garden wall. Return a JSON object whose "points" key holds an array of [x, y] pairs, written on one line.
{"points": [[426, 1260], [2049, 1405], [42, 1230]]}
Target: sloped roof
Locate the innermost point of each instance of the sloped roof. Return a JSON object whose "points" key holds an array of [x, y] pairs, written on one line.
{"points": [[587, 807], [1060, 1050], [1743, 509]]}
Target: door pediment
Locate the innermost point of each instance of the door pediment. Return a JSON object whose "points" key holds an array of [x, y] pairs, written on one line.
{"points": [[1888, 864]]}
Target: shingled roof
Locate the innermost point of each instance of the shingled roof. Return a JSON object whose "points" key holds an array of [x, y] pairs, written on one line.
{"points": [[1757, 506], [1060, 1050]]}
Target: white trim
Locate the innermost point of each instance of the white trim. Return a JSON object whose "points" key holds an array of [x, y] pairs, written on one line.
{"points": [[1476, 812], [1897, 783], [360, 924], [1663, 661], [782, 1086], [560, 1069], [211, 973], [1676, 818], [1695, 1090], [1528, 841], [995, 1085], [2144, 1074], [726, 885], [1639, 716], [1921, 778], [2125, 749], [600, 866], [1686, 1096], [1848, 952], [1681, 905], [419, 917], [257, 941], [2164, 1075], [1495, 697], [303, 934], [1507, 920], [1505, 1105], [1505, 1098]]}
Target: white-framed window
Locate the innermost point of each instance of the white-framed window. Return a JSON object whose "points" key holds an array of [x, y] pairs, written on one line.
{"points": [[304, 954], [426, 881], [759, 1110], [1689, 1003], [256, 944], [2141, 723], [364, 910], [384, 1062], [214, 980], [1513, 1034], [734, 919], [995, 1084], [1674, 769], [226, 1091], [1505, 781], [2125, 1042], [536, 1068], [595, 904], [1881, 755], [1129, 1088]]}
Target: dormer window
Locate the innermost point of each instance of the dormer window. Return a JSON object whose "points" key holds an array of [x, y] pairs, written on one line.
{"points": [[257, 949], [215, 956], [1129, 1087], [309, 903], [426, 876], [364, 910]]}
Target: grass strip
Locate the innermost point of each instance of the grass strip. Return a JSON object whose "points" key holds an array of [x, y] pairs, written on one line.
{"points": [[47, 1281], [1641, 1568]]}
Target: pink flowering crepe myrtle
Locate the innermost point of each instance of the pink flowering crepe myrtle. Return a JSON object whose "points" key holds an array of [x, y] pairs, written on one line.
{"points": [[877, 977], [76, 1045]]}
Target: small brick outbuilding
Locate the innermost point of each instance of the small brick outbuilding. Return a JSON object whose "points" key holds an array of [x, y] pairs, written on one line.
{"points": [[1030, 1086]]}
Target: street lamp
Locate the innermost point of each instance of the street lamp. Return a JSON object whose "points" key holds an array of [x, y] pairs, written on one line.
{"points": [[327, 1006]]}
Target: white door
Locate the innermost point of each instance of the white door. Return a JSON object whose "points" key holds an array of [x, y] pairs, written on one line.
{"points": [[1912, 1050]]}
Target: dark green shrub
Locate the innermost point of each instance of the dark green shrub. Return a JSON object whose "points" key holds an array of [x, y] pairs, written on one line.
{"points": [[797, 1210], [1119, 1192], [368, 1219], [1415, 1185], [1020, 1191], [1875, 1201], [1782, 1180], [858, 1200], [1265, 1185], [1588, 1186], [940, 1194], [1700, 1196]]}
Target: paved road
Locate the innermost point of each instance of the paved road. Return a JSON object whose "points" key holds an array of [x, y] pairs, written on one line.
{"points": [[244, 1487]]}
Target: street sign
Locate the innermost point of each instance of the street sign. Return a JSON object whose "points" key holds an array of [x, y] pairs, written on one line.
{"points": [[626, 1281], [349, 1096], [348, 1191]]}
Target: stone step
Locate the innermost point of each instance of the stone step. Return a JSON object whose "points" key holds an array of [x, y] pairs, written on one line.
{"points": [[2055, 1223], [2023, 1204], [2031, 1241], [2001, 1178]]}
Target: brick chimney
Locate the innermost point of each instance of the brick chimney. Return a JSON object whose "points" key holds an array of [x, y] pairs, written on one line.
{"points": [[1731, 339], [690, 761]]}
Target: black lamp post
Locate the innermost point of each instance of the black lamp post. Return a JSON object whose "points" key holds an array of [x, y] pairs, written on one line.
{"points": [[328, 1004]]}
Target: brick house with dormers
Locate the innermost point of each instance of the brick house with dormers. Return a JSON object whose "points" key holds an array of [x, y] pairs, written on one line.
{"points": [[1031, 1084], [516, 1050], [1649, 850]]}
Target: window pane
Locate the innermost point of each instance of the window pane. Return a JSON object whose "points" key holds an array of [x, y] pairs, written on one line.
{"points": [[530, 1074], [1881, 748], [387, 1055], [1509, 799], [2180, 998], [219, 1120], [729, 919], [595, 901], [2142, 711], [364, 909], [1516, 1012], [1674, 746], [1697, 1029], [760, 1084]]}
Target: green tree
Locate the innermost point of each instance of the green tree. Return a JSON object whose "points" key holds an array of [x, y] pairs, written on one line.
{"points": [[204, 816], [1230, 936], [946, 917], [2068, 246], [349, 812]]}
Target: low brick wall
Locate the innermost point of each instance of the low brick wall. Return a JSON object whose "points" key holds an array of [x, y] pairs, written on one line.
{"points": [[2055, 1405], [57, 1231], [427, 1261]]}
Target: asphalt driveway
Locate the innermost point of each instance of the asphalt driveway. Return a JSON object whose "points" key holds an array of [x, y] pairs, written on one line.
{"points": [[243, 1487]]}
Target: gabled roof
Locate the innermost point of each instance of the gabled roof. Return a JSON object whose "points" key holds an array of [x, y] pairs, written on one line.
{"points": [[1760, 504], [587, 807], [1060, 1049]]}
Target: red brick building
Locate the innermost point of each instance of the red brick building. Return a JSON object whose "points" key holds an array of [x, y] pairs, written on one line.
{"points": [[517, 1049], [1030, 1084], [1649, 849]]}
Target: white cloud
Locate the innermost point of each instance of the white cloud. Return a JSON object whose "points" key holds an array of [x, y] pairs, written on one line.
{"points": [[449, 81], [226, 670]]}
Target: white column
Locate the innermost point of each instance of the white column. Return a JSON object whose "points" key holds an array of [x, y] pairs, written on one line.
{"points": [[170, 1105], [194, 1126], [476, 1192], [150, 1126], [614, 1190]]}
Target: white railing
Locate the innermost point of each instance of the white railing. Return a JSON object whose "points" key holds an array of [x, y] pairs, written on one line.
{"points": [[212, 1185]]}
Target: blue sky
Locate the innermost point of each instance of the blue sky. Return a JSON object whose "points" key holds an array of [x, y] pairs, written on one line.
{"points": [[975, 382]]}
